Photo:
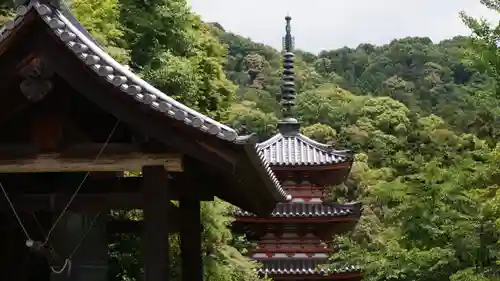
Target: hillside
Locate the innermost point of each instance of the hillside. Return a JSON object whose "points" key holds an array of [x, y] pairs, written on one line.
{"points": [[426, 77], [423, 120]]}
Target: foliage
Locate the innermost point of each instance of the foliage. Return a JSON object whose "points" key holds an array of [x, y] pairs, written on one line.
{"points": [[100, 18], [486, 41], [422, 117], [6, 12], [176, 52], [423, 121]]}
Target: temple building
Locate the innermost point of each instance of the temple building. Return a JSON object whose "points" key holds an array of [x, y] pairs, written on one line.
{"points": [[296, 238], [73, 121]]}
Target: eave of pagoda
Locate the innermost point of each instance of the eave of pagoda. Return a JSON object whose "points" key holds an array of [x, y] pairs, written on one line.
{"points": [[317, 277], [294, 152], [308, 269], [309, 220], [309, 168], [306, 212], [280, 254]]}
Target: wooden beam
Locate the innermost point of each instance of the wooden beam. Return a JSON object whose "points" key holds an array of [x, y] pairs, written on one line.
{"points": [[124, 188], [81, 203], [155, 244], [136, 226], [80, 158]]}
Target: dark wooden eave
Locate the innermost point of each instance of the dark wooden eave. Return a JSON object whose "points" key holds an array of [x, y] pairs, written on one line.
{"points": [[242, 170]]}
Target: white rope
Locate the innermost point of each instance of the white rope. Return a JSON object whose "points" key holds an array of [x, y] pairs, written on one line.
{"points": [[15, 213], [67, 265], [84, 235], [80, 185], [30, 243], [67, 261]]}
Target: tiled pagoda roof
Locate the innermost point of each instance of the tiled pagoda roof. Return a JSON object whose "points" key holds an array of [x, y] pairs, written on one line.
{"points": [[307, 210], [295, 149], [302, 267]]}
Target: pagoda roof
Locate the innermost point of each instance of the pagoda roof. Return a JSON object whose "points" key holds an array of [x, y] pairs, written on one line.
{"points": [[309, 210], [295, 149], [303, 267], [69, 32]]}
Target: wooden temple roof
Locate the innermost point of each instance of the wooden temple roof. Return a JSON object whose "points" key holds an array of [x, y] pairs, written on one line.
{"points": [[295, 149], [307, 210], [70, 33]]}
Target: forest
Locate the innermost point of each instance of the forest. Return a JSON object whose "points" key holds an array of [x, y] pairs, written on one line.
{"points": [[423, 118]]}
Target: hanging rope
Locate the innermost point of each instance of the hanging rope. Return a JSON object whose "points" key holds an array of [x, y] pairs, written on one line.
{"points": [[81, 184], [67, 265], [18, 218], [67, 261], [38, 245]]}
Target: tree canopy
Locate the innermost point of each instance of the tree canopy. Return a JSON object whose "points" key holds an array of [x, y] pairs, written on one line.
{"points": [[422, 117]]}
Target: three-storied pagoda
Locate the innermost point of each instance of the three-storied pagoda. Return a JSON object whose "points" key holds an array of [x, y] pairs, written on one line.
{"points": [[72, 120], [297, 237]]}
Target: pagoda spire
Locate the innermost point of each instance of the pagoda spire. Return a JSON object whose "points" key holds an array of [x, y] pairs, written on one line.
{"points": [[288, 124]]}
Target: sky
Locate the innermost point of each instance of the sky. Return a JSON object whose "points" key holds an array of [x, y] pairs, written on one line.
{"points": [[329, 24]]}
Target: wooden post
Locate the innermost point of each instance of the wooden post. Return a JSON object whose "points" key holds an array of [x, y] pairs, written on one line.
{"points": [[190, 234], [156, 217]]}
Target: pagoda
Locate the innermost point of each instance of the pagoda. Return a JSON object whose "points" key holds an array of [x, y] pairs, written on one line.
{"points": [[297, 238]]}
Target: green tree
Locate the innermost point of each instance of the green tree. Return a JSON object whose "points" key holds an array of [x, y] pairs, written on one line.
{"points": [[177, 53], [486, 41], [100, 18]]}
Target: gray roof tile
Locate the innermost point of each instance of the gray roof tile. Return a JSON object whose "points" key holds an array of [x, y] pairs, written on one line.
{"points": [[308, 210], [298, 150], [303, 267]]}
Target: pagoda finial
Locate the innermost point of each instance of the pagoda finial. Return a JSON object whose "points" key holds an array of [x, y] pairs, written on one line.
{"points": [[288, 124]]}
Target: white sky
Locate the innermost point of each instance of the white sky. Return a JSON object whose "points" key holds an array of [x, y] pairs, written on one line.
{"points": [[330, 24]]}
